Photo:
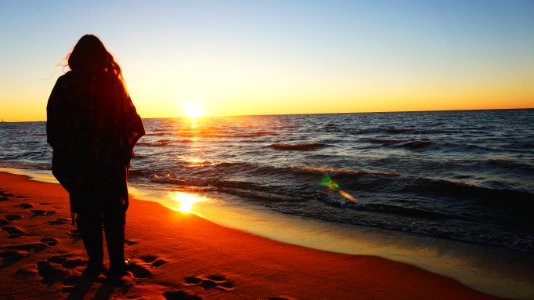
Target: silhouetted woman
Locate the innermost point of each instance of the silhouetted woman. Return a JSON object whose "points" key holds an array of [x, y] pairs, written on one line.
{"points": [[92, 126]]}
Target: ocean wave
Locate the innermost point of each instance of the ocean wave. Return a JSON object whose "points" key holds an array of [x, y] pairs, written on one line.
{"points": [[467, 147], [160, 143], [406, 211], [254, 134], [525, 145], [513, 200], [156, 133], [411, 144], [223, 135], [299, 147], [417, 144], [398, 130], [388, 209], [368, 130], [510, 164], [334, 171], [265, 198], [139, 173], [384, 141]]}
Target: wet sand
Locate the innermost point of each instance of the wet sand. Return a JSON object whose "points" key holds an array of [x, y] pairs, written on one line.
{"points": [[182, 256]]}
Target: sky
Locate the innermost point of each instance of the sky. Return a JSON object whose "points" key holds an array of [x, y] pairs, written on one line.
{"points": [[278, 57]]}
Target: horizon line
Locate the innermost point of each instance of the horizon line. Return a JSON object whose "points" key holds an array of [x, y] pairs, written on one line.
{"points": [[326, 113]]}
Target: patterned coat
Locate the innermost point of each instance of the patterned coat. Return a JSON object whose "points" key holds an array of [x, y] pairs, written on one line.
{"points": [[92, 126]]}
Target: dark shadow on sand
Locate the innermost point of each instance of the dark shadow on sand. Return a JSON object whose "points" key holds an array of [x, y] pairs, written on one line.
{"points": [[105, 291], [82, 288]]}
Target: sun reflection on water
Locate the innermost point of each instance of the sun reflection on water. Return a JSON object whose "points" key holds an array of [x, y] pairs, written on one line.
{"points": [[193, 162], [186, 201]]}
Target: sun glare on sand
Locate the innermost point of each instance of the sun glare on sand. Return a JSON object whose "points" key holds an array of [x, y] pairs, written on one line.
{"points": [[192, 110], [185, 200]]}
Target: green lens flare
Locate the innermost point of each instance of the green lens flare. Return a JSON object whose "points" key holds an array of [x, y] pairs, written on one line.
{"points": [[329, 183]]}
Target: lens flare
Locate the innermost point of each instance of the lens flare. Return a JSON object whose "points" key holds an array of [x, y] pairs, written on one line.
{"points": [[332, 185]]}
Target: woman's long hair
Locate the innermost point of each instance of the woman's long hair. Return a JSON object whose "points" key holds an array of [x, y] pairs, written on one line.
{"points": [[91, 56]]}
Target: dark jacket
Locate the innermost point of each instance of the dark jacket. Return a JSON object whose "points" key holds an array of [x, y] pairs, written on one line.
{"points": [[92, 126]]}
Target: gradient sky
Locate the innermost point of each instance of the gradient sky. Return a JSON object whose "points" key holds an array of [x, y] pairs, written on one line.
{"points": [[270, 57]]}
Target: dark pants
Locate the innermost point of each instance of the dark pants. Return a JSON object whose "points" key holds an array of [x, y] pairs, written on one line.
{"points": [[105, 213]]}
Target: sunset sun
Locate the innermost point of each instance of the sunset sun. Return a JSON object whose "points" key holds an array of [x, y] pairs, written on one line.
{"points": [[193, 110]]}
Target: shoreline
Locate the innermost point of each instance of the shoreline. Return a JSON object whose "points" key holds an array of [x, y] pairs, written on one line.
{"points": [[510, 273], [175, 250]]}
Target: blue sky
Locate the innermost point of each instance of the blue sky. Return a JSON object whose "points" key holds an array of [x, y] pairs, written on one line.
{"points": [[240, 57]]}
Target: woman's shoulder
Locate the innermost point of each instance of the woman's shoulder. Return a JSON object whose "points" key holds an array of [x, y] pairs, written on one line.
{"points": [[64, 78], [74, 81]]}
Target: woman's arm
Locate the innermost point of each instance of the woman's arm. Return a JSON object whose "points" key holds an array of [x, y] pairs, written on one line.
{"points": [[55, 132]]}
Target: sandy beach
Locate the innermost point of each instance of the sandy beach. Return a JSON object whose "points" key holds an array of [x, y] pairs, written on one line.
{"points": [[182, 256]]}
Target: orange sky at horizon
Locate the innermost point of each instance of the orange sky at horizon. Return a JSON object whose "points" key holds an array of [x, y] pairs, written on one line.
{"points": [[158, 107]]}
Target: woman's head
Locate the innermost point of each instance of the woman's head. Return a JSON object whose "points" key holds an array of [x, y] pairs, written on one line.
{"points": [[91, 56]]}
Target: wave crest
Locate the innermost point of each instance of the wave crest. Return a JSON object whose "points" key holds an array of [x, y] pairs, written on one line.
{"points": [[299, 147], [335, 171]]}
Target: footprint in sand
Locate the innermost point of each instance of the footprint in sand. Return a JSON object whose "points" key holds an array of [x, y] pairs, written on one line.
{"points": [[153, 260], [42, 212], [3, 222], [192, 280], [5, 196], [49, 273], [59, 259], [25, 205], [34, 247], [210, 282], [73, 263], [49, 241], [58, 221], [130, 242], [148, 258], [137, 270], [180, 295], [158, 263], [13, 217], [10, 257], [279, 298], [27, 273], [13, 231]]}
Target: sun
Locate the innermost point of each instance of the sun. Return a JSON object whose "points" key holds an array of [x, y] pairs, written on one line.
{"points": [[193, 110]]}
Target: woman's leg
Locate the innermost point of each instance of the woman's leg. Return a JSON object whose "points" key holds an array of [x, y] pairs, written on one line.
{"points": [[89, 224], [114, 221]]}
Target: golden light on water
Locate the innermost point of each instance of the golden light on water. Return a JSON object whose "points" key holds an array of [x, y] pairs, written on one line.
{"points": [[193, 162], [186, 201]]}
